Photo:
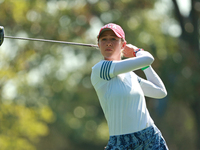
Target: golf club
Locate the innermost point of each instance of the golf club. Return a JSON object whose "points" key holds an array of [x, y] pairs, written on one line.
{"points": [[2, 36]]}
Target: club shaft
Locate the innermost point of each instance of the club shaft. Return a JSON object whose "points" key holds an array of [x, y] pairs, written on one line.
{"points": [[51, 41]]}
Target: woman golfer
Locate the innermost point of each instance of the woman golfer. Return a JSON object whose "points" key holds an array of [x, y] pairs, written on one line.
{"points": [[121, 92]]}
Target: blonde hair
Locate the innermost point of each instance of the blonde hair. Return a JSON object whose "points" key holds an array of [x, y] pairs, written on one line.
{"points": [[123, 41]]}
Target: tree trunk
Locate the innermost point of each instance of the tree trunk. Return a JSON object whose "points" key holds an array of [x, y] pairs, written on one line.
{"points": [[190, 35], [196, 109]]}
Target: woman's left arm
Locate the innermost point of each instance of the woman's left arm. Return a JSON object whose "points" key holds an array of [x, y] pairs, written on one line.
{"points": [[153, 86]]}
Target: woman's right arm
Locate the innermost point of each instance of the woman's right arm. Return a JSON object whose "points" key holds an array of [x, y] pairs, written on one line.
{"points": [[142, 59]]}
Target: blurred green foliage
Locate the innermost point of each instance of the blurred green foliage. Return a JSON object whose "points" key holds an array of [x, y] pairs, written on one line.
{"points": [[47, 100]]}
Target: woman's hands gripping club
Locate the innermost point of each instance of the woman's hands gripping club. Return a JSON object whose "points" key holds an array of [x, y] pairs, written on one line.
{"points": [[130, 50]]}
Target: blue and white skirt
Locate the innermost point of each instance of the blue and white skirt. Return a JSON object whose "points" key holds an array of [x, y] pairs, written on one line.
{"points": [[147, 139]]}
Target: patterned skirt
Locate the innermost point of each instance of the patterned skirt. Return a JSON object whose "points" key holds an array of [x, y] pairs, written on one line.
{"points": [[147, 139]]}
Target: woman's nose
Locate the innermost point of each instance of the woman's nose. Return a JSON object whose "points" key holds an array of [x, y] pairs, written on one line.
{"points": [[109, 43]]}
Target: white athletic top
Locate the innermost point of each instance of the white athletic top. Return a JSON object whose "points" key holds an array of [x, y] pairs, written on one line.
{"points": [[121, 92]]}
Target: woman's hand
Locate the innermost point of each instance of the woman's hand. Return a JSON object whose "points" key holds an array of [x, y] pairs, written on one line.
{"points": [[129, 50]]}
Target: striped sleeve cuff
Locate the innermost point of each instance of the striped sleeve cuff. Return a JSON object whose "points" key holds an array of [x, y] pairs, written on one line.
{"points": [[105, 70]]}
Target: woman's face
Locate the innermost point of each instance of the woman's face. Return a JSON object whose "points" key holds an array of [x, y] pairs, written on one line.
{"points": [[110, 45]]}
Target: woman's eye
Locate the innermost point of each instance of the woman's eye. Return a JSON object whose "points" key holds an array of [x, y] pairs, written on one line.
{"points": [[113, 39]]}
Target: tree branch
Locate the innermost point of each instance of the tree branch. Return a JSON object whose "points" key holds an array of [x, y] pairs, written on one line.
{"points": [[179, 17], [195, 19]]}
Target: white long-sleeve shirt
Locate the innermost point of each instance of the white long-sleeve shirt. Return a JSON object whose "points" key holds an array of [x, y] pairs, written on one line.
{"points": [[121, 92]]}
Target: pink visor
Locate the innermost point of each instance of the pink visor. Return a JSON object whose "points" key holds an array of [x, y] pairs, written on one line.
{"points": [[115, 28]]}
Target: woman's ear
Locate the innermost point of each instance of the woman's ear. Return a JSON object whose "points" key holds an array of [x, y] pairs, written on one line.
{"points": [[123, 44], [98, 43]]}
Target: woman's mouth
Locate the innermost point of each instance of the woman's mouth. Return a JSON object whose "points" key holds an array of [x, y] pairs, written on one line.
{"points": [[108, 49]]}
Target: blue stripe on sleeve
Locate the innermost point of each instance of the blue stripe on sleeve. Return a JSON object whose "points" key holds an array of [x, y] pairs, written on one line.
{"points": [[105, 70], [102, 69], [109, 69]]}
